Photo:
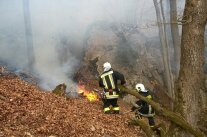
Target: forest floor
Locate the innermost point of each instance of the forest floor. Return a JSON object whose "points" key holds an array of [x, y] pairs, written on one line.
{"points": [[27, 111]]}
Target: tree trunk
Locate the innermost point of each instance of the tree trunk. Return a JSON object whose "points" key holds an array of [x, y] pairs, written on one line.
{"points": [[171, 82], [191, 78], [28, 35], [143, 125], [164, 44], [175, 35]]}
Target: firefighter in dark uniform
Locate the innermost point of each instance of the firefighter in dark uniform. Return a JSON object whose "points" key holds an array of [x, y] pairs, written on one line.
{"points": [[109, 80], [142, 108]]}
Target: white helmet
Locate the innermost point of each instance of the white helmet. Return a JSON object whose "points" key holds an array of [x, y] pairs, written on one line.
{"points": [[106, 66], [140, 87]]}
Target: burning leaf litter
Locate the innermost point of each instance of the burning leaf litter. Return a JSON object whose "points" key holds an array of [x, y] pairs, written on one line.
{"points": [[90, 95]]}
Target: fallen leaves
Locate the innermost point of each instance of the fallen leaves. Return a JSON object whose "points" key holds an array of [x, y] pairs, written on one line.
{"points": [[27, 111]]}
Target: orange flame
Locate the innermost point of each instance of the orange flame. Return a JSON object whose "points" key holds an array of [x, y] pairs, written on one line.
{"points": [[91, 96]]}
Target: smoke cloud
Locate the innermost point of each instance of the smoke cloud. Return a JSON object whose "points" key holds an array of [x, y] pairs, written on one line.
{"points": [[58, 30]]}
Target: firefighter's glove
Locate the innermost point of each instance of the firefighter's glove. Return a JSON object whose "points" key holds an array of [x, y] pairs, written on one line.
{"points": [[135, 107]]}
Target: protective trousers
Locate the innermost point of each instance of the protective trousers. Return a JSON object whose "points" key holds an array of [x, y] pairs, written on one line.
{"points": [[151, 121], [113, 103]]}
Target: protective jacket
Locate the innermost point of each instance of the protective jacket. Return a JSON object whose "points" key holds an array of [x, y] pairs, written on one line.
{"points": [[144, 109], [109, 80]]}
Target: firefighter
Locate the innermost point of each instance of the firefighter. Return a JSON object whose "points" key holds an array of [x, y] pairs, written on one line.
{"points": [[108, 80], [142, 108]]}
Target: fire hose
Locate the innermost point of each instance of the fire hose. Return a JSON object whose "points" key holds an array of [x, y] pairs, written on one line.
{"points": [[101, 93]]}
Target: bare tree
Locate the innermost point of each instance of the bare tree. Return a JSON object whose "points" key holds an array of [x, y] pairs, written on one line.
{"points": [[175, 35], [191, 93], [28, 35], [165, 54]]}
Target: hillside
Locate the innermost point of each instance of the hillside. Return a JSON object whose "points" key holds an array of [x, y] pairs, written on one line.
{"points": [[25, 110]]}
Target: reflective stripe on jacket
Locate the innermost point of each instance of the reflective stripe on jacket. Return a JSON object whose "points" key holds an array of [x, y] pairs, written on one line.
{"points": [[108, 80], [111, 95]]}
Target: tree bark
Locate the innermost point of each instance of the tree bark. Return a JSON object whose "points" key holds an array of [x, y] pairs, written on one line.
{"points": [[165, 55], [191, 78], [175, 35]]}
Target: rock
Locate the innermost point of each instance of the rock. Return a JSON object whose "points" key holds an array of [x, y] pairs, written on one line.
{"points": [[129, 99], [60, 90]]}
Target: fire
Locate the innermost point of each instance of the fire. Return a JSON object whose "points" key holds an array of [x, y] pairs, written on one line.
{"points": [[90, 95]]}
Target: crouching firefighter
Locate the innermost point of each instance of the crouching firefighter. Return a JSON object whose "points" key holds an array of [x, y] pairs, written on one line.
{"points": [[109, 80], [142, 108]]}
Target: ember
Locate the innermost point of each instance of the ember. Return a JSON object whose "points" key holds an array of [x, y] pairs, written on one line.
{"points": [[90, 95]]}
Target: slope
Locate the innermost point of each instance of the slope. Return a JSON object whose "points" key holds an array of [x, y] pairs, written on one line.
{"points": [[25, 110]]}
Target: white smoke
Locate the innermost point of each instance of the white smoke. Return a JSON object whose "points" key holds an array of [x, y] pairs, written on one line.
{"points": [[58, 28]]}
